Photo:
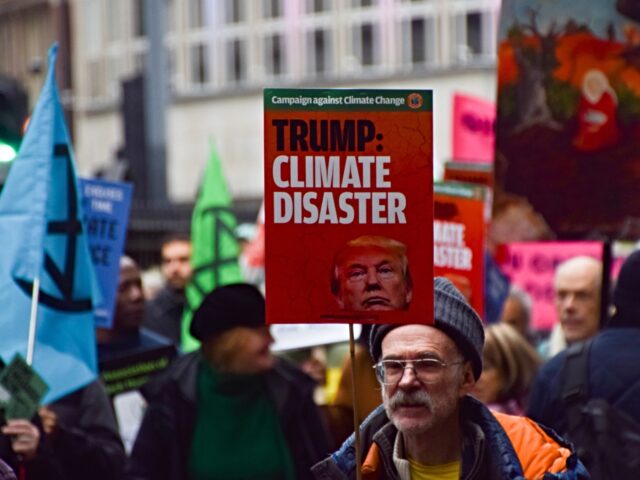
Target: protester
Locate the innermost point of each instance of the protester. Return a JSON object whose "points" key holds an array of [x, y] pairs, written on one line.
{"points": [[6, 473], [74, 438], [577, 285], [372, 273], [164, 312], [128, 355], [509, 365], [614, 362], [231, 409], [516, 312], [340, 412], [429, 427]]}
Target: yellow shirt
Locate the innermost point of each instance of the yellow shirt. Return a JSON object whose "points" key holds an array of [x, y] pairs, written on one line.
{"points": [[447, 471]]}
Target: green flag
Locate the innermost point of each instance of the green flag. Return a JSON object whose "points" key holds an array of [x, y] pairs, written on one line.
{"points": [[214, 247]]}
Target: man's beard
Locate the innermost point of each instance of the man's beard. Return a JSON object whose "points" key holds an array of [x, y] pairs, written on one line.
{"points": [[413, 398]]}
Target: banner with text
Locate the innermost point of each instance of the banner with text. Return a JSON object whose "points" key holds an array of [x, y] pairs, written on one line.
{"points": [[106, 209], [473, 129], [348, 206], [459, 229]]}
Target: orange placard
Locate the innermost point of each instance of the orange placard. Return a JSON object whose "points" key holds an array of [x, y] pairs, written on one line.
{"points": [[348, 206], [459, 229]]}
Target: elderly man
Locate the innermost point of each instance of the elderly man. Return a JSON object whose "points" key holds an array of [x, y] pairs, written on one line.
{"points": [[430, 427], [372, 273], [577, 285]]}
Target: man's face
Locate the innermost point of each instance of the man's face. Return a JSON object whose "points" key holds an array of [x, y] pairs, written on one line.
{"points": [[577, 299], [414, 407], [129, 309], [175, 264], [372, 278]]}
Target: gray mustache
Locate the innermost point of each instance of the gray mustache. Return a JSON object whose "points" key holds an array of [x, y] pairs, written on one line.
{"points": [[416, 397]]}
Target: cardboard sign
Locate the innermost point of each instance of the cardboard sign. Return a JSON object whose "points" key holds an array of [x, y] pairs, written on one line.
{"points": [[459, 229], [21, 390], [473, 129], [348, 204], [106, 209], [531, 266]]}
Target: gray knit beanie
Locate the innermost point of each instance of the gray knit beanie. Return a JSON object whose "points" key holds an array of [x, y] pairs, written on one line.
{"points": [[454, 316]]}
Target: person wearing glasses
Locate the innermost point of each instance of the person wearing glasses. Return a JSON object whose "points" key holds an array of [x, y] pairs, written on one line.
{"points": [[372, 273], [429, 426]]}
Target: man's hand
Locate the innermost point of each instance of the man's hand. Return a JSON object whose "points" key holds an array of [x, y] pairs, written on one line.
{"points": [[25, 437], [49, 420]]}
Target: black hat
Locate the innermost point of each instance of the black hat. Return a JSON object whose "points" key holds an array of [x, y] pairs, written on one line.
{"points": [[626, 294], [235, 305], [454, 316]]}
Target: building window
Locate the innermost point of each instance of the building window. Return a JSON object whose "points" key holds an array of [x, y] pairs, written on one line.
{"points": [[317, 6], [366, 46], [473, 35], [474, 32], [236, 61], [196, 14], [139, 28], [234, 11], [274, 55], [272, 8], [418, 41], [199, 64]]}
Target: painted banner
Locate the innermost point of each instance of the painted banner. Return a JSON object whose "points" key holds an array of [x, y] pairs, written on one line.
{"points": [[348, 206], [459, 230], [568, 126], [106, 215], [531, 266], [473, 129]]}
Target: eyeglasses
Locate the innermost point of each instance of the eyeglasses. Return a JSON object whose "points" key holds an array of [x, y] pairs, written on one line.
{"points": [[426, 370]]}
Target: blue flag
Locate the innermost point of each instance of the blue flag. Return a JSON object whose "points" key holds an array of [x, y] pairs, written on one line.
{"points": [[42, 236]]}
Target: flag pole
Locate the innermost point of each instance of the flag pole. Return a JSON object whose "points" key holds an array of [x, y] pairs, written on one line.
{"points": [[33, 319], [356, 423]]}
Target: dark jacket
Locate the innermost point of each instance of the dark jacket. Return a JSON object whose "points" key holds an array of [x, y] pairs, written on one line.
{"points": [[163, 314], [5, 472], [495, 446], [162, 448], [614, 375], [85, 445]]}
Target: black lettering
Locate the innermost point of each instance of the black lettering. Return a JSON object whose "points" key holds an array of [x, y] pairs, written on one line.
{"points": [[366, 133], [280, 124], [297, 135]]}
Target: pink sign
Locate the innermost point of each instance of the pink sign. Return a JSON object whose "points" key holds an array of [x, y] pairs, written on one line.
{"points": [[473, 129], [531, 266]]}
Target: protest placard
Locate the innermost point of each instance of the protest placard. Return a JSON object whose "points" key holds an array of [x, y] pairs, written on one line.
{"points": [[21, 390], [531, 266], [473, 129], [459, 230], [348, 205], [106, 215]]}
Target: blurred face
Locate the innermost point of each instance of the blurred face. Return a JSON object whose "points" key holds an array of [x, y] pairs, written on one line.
{"points": [[488, 386], [248, 350], [577, 300], [372, 278], [414, 407], [175, 264], [129, 309], [513, 314]]}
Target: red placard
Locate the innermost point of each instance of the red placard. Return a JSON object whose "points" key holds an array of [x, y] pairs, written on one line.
{"points": [[348, 206], [459, 230]]}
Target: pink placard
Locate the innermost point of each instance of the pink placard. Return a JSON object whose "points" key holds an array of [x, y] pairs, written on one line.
{"points": [[531, 266], [473, 129]]}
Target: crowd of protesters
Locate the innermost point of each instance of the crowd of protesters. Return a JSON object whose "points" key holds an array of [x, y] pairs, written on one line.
{"points": [[453, 399]]}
